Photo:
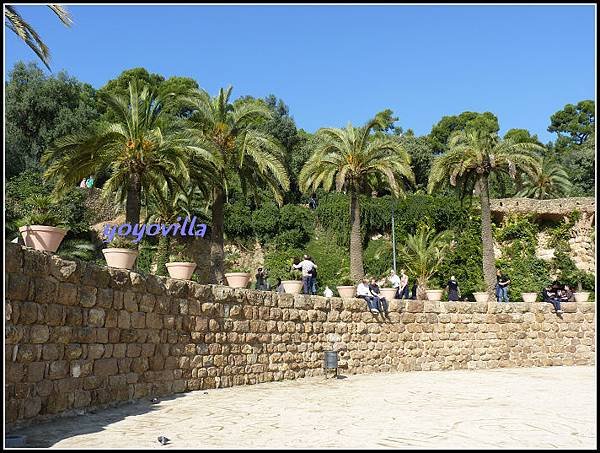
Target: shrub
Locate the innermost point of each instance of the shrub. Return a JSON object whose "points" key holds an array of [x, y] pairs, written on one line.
{"points": [[265, 222], [238, 221]]}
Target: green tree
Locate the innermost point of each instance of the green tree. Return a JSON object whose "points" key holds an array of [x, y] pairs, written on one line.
{"points": [[27, 33], [441, 132], [472, 157], [141, 149], [549, 180], [574, 123], [356, 162], [245, 154], [521, 136], [580, 165], [421, 155], [39, 109]]}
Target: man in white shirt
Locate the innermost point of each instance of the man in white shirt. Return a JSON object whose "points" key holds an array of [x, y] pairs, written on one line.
{"points": [[363, 292], [395, 281], [306, 265]]}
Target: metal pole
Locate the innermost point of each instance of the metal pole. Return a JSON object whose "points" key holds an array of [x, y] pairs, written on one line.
{"points": [[393, 236]]}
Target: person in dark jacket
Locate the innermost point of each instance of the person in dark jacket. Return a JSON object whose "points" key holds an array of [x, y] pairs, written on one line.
{"points": [[379, 301], [453, 289]]}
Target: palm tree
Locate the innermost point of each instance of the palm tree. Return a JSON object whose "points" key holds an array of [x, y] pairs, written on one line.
{"points": [[26, 32], [229, 132], [357, 162], [140, 150], [472, 157], [166, 203], [423, 253], [549, 180]]}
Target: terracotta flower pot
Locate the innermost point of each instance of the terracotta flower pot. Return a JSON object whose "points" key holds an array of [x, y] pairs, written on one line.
{"points": [[120, 258], [181, 269], [292, 286], [237, 279], [388, 293], [346, 291], [481, 297], [434, 294], [529, 297], [42, 237], [581, 296]]}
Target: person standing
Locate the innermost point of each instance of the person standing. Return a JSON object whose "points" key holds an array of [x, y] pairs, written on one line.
{"points": [[260, 279], [279, 286], [90, 182], [502, 282], [312, 201], [83, 183], [403, 288], [453, 289], [306, 265], [313, 278], [395, 281]]}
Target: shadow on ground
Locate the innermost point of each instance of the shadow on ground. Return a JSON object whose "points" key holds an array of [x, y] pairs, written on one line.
{"points": [[48, 433]]}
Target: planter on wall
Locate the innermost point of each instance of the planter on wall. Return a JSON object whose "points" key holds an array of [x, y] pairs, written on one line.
{"points": [[120, 258], [434, 294], [237, 279], [181, 269], [346, 291], [529, 297], [388, 293], [481, 297], [292, 286], [42, 237], [582, 296]]}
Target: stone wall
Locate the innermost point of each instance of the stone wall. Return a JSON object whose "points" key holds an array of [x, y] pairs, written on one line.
{"points": [[79, 336]]}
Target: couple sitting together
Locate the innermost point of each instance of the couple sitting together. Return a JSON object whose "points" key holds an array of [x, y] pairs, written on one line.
{"points": [[370, 293]]}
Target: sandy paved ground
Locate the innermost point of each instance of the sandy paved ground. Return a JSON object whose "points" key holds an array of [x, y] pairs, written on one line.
{"points": [[503, 408]]}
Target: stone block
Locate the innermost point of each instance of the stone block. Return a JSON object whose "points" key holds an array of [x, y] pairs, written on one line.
{"points": [[106, 367], [39, 334], [130, 301], [45, 290], [18, 287], [87, 296], [67, 294], [58, 369], [96, 317], [138, 320]]}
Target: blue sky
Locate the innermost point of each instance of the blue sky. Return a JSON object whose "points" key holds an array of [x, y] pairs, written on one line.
{"points": [[334, 64]]}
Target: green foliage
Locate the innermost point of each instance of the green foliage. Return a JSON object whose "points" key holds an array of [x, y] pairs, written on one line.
{"points": [[145, 258], [238, 221], [265, 222], [179, 253], [421, 155], [81, 249], [574, 123], [40, 109], [379, 257], [521, 136], [332, 260], [278, 262], [441, 132], [580, 165], [42, 210], [120, 242]]}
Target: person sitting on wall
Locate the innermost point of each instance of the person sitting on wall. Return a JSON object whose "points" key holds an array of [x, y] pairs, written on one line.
{"points": [[415, 287], [363, 292], [552, 296], [378, 301], [567, 294], [403, 287]]}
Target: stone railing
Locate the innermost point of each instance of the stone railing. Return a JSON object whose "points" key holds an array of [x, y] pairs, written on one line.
{"points": [[80, 336]]}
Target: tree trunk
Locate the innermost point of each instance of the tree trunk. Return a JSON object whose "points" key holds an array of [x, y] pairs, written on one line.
{"points": [[216, 240], [489, 260], [356, 262], [133, 203], [162, 255]]}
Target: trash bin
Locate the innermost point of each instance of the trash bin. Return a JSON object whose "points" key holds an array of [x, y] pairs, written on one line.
{"points": [[330, 361]]}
